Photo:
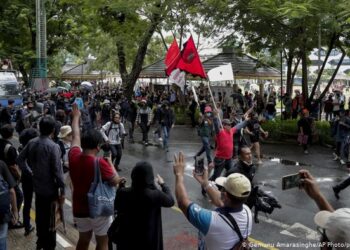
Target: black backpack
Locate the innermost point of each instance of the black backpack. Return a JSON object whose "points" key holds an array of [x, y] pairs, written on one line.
{"points": [[5, 212]]}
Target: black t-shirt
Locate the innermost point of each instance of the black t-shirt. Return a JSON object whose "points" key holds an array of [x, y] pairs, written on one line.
{"points": [[254, 126], [5, 173], [305, 123], [11, 155]]}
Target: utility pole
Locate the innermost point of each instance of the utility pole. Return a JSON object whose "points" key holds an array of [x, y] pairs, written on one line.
{"points": [[39, 73]]}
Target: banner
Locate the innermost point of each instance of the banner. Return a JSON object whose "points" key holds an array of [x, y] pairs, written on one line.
{"points": [[172, 58], [178, 77], [190, 61], [221, 73]]}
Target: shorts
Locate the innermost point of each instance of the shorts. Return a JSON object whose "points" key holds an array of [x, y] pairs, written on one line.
{"points": [[99, 225]]}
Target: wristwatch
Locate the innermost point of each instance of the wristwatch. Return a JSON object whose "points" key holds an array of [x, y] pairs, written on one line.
{"points": [[209, 185]]}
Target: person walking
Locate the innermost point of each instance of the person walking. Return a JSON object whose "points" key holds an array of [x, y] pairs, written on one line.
{"points": [[43, 157], [144, 119], [146, 223], [341, 186], [305, 124], [113, 133], [167, 121], [82, 156]]}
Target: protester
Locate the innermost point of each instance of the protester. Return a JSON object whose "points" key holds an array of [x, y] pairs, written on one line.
{"points": [[27, 181], [81, 157], [213, 225], [139, 209], [43, 157], [113, 133], [224, 144], [144, 119], [205, 131], [167, 121], [6, 113], [8, 203], [254, 129], [8, 154], [305, 125]]}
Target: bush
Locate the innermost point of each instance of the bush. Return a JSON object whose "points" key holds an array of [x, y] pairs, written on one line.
{"points": [[281, 130]]}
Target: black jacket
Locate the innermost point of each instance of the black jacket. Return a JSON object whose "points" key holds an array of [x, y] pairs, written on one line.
{"points": [[140, 215], [242, 168]]}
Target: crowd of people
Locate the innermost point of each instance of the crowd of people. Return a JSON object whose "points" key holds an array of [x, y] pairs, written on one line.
{"points": [[62, 135]]}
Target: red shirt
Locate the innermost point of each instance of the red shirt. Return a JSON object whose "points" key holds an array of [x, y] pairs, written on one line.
{"points": [[81, 171], [224, 143]]}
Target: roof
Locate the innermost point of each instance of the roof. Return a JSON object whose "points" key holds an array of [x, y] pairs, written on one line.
{"points": [[243, 66], [81, 71]]}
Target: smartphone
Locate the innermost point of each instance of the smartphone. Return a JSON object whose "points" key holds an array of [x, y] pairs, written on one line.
{"points": [[199, 166], [290, 181]]}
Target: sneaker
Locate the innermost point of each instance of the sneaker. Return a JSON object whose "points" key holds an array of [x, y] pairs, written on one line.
{"points": [[336, 158], [29, 230], [260, 162], [16, 226], [336, 192], [342, 162], [306, 152]]}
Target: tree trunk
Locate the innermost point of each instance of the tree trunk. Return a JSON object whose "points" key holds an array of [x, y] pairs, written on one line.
{"points": [[289, 83], [131, 78], [295, 71], [305, 89], [24, 75], [317, 81], [334, 74]]}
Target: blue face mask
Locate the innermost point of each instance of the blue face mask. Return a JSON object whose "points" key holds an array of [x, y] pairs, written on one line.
{"points": [[208, 114]]}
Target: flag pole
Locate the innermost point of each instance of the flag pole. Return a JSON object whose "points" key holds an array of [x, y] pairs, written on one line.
{"points": [[212, 97]]}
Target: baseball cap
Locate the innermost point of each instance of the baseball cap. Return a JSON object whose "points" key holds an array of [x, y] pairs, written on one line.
{"points": [[236, 184], [336, 224], [208, 109], [226, 122]]}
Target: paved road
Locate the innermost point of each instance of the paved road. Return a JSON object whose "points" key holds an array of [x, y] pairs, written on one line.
{"points": [[293, 224]]}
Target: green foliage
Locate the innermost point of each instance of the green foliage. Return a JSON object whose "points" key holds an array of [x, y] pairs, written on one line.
{"points": [[288, 130]]}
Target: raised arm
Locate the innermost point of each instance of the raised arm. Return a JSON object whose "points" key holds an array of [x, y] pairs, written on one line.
{"points": [[310, 186], [75, 125], [180, 191]]}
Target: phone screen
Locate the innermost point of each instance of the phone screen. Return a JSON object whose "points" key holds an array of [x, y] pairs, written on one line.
{"points": [[290, 181], [199, 166]]}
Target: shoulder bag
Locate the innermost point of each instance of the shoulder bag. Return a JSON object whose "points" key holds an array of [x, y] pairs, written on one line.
{"points": [[101, 195]]}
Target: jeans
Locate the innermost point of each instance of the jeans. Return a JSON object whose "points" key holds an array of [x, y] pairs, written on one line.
{"points": [[344, 184], [117, 152], [166, 132], [205, 148], [219, 165], [131, 126], [144, 129], [27, 186], [19, 197], [46, 238], [3, 236]]}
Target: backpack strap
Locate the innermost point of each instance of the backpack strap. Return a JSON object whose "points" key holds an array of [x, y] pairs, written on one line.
{"points": [[6, 150], [228, 218]]}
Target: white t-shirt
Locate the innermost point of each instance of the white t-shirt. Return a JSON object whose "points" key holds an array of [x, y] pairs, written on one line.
{"points": [[218, 235]]}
